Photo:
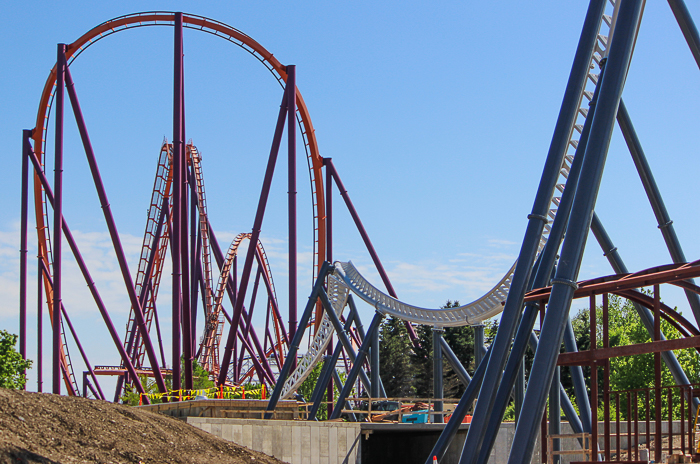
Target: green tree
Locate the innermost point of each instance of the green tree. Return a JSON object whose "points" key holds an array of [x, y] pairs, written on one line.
{"points": [[632, 372], [12, 366], [395, 366]]}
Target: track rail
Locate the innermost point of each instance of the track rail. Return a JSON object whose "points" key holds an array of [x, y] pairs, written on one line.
{"points": [[213, 330]]}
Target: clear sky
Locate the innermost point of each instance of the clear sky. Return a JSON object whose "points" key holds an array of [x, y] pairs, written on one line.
{"points": [[438, 118]]}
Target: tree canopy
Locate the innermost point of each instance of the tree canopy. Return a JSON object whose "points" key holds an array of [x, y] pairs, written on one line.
{"points": [[12, 366]]}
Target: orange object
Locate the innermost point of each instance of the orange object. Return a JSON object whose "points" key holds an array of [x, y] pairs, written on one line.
{"points": [[242, 392], [435, 459], [221, 392], [140, 399], [262, 391], [467, 419]]}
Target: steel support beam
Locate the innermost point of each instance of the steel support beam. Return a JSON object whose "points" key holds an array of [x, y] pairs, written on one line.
{"points": [[24, 221], [357, 365], [438, 392], [292, 195], [330, 170], [457, 366], [116, 242], [58, 218], [298, 335], [663, 219], [690, 32], [611, 253], [465, 403], [536, 221], [564, 283], [255, 236]]}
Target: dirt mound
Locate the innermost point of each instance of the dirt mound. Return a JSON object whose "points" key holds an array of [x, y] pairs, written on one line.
{"points": [[45, 428]]}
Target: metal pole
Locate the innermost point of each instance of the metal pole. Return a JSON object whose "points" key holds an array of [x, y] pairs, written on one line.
{"points": [[357, 365], [298, 335], [536, 221], [58, 218], [83, 268], [24, 219], [478, 343], [176, 228], [326, 375], [685, 21], [657, 203], [184, 259], [555, 414], [465, 403], [564, 283], [329, 258], [519, 390], [255, 235], [116, 242], [343, 338], [438, 392], [249, 317], [39, 328], [375, 380], [457, 366], [330, 168], [292, 195]]}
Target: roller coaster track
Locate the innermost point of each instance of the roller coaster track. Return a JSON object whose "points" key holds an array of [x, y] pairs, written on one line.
{"points": [[39, 136], [145, 276], [338, 292], [213, 330], [195, 159]]}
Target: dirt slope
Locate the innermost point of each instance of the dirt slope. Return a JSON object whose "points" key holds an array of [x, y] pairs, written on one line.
{"points": [[45, 428]]}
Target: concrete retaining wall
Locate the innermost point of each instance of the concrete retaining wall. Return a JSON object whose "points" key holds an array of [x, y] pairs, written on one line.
{"points": [[302, 442], [297, 442]]}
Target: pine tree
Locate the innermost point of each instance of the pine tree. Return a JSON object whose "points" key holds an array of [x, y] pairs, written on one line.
{"points": [[395, 367]]}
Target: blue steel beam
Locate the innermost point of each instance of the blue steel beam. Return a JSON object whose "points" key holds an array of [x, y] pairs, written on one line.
{"points": [[452, 426], [543, 274], [564, 283], [296, 341], [657, 203], [357, 365], [533, 233]]}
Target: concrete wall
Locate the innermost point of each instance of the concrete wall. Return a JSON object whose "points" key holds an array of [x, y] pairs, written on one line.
{"points": [[296, 442], [302, 442]]}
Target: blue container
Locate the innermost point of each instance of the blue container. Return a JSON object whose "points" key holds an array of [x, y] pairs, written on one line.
{"points": [[420, 417]]}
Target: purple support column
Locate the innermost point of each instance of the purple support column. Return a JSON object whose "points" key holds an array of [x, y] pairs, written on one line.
{"points": [[86, 274], [249, 316], [195, 246], [292, 197], [365, 237], [116, 242], [175, 242], [64, 314], [26, 135], [185, 285], [255, 235], [58, 219], [39, 328]]}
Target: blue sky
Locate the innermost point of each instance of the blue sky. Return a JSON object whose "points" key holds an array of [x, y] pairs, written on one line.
{"points": [[438, 118]]}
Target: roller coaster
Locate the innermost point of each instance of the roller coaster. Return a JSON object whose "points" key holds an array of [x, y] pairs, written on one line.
{"points": [[543, 280]]}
